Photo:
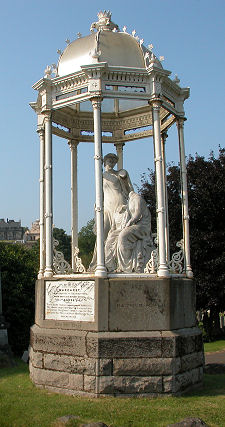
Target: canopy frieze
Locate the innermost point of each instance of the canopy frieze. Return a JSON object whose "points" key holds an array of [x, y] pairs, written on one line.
{"points": [[172, 88], [63, 133], [168, 123]]}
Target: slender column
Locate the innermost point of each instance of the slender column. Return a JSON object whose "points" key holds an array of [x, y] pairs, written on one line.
{"points": [[184, 192], [100, 269], [48, 196], [41, 133], [162, 268], [74, 203], [163, 143], [119, 152]]}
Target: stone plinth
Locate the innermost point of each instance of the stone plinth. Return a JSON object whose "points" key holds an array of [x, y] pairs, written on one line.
{"points": [[143, 341]]}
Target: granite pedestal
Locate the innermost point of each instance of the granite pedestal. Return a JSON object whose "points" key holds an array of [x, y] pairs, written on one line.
{"points": [[138, 337]]}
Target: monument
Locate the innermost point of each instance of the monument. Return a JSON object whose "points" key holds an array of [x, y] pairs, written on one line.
{"points": [[127, 326]]}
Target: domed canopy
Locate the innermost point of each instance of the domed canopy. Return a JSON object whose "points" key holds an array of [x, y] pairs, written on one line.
{"points": [[118, 49]]}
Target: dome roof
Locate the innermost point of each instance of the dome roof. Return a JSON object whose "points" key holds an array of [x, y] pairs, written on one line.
{"points": [[108, 44], [116, 48]]}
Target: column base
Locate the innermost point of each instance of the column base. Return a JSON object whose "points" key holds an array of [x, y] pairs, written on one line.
{"points": [[101, 272], [163, 272], [48, 273], [189, 274], [40, 274]]}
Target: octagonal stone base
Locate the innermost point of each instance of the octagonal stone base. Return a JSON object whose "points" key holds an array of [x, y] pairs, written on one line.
{"points": [[113, 355]]}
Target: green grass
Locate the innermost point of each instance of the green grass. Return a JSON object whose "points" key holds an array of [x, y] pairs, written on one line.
{"points": [[214, 346], [24, 405]]}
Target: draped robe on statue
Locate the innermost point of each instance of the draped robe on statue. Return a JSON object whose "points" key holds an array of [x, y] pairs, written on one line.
{"points": [[129, 243]]}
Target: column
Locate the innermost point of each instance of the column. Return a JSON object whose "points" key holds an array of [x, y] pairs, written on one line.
{"points": [[162, 268], [74, 203], [184, 193], [164, 135], [100, 269], [48, 197], [119, 152], [41, 133]]}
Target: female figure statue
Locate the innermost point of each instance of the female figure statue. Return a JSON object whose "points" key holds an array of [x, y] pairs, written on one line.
{"points": [[135, 243], [129, 243], [116, 188]]}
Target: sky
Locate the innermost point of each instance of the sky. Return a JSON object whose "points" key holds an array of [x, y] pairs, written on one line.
{"points": [[190, 34]]}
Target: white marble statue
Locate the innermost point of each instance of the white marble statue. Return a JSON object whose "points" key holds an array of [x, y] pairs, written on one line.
{"points": [[129, 242], [116, 188]]}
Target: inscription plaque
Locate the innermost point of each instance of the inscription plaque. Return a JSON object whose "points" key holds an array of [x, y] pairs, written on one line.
{"points": [[70, 300]]}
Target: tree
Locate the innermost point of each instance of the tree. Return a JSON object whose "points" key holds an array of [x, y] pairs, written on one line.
{"points": [[206, 193], [19, 266], [86, 242]]}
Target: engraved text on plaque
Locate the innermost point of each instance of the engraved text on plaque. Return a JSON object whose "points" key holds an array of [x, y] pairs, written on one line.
{"points": [[70, 300]]}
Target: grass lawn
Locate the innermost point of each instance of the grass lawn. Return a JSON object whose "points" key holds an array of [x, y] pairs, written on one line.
{"points": [[214, 346], [22, 404]]}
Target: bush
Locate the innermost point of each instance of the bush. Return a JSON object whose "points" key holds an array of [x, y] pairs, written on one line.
{"points": [[19, 266]]}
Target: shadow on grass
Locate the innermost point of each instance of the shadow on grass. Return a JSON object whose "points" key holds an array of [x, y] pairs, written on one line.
{"points": [[213, 385], [17, 367]]}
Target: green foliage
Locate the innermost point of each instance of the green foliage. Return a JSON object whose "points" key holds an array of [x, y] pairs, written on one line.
{"points": [[22, 404], [19, 266], [211, 347], [64, 243], [86, 242], [206, 192], [207, 218]]}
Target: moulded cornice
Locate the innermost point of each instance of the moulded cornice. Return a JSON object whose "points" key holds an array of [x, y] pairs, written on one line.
{"points": [[128, 70], [185, 92], [156, 71], [42, 84], [90, 67], [35, 107]]}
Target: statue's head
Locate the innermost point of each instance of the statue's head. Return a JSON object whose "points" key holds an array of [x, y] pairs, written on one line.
{"points": [[113, 158]]}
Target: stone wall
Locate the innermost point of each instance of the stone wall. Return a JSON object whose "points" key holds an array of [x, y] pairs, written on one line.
{"points": [[123, 363]]}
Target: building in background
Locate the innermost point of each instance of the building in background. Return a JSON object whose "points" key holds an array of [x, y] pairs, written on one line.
{"points": [[11, 230], [33, 234]]}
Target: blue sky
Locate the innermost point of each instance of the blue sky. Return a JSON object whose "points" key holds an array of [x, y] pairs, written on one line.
{"points": [[190, 34]]}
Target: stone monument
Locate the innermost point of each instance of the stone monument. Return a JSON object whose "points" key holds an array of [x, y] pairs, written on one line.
{"points": [[127, 326]]}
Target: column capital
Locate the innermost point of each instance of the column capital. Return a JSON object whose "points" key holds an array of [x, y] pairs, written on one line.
{"points": [[73, 143], [96, 102], [180, 121], [155, 104], [119, 145], [41, 130], [164, 135], [47, 116]]}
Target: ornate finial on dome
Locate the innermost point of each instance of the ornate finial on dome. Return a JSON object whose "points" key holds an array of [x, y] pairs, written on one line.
{"points": [[54, 69], [176, 79], [104, 22], [48, 72]]}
